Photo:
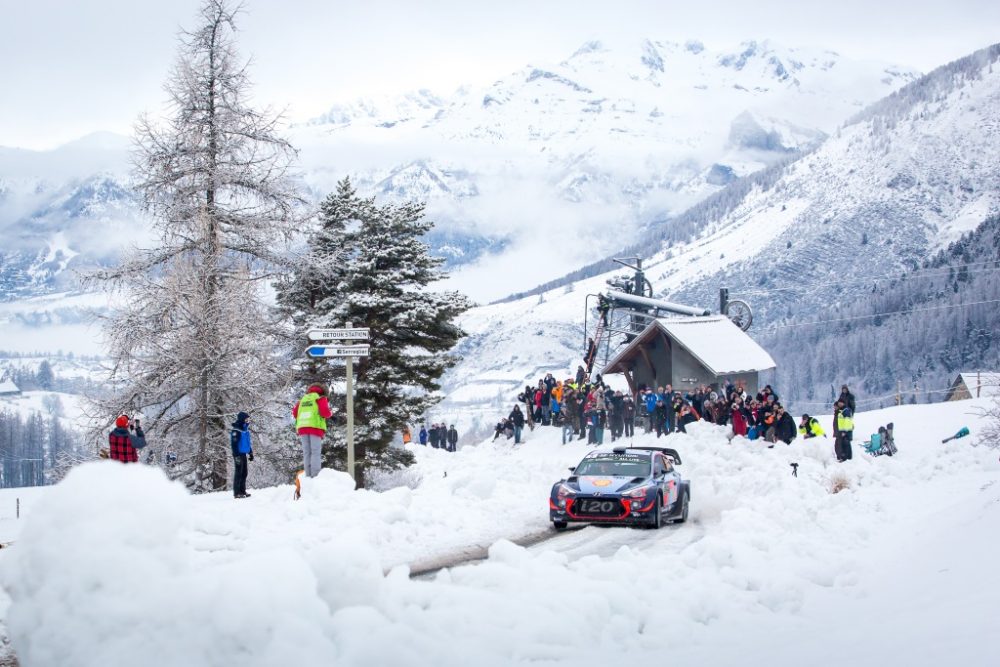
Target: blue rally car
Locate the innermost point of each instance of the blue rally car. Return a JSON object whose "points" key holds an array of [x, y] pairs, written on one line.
{"points": [[628, 485]]}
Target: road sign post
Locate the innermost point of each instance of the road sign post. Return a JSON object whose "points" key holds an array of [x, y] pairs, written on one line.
{"points": [[329, 344]]}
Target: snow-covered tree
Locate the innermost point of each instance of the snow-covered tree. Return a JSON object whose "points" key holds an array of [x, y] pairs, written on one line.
{"points": [[188, 340], [367, 265]]}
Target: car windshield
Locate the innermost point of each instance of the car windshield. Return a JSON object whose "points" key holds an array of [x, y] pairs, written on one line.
{"points": [[624, 466]]}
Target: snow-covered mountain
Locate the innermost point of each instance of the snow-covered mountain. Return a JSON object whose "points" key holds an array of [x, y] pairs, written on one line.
{"points": [[620, 136], [897, 182]]}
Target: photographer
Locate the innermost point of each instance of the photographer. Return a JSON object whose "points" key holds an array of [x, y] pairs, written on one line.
{"points": [[125, 440]]}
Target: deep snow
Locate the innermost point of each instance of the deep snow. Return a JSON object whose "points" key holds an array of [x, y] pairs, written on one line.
{"points": [[117, 566]]}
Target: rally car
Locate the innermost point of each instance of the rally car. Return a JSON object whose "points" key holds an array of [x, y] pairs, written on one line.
{"points": [[637, 486]]}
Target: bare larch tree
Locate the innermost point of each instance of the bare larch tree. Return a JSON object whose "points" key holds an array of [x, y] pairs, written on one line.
{"points": [[189, 340]]}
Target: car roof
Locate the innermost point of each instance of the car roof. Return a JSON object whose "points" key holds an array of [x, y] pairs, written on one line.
{"points": [[619, 453]]}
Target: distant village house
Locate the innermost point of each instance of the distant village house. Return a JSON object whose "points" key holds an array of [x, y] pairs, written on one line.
{"points": [[975, 384]]}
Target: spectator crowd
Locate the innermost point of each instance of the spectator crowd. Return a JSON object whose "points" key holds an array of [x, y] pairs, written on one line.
{"points": [[588, 409]]}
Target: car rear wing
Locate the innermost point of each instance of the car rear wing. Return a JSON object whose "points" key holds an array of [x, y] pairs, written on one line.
{"points": [[672, 453]]}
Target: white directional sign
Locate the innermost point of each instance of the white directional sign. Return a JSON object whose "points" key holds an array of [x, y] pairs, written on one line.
{"points": [[318, 351], [338, 334]]}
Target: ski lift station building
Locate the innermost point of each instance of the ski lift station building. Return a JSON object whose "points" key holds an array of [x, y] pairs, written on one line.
{"points": [[687, 352]]}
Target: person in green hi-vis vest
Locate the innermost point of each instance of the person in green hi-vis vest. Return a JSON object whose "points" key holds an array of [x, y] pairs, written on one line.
{"points": [[311, 413]]}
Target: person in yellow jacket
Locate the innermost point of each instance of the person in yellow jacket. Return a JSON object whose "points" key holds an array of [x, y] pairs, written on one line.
{"points": [[843, 424], [809, 427], [311, 413]]}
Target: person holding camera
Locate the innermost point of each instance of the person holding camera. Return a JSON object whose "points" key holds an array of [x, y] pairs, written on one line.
{"points": [[125, 441], [239, 440]]}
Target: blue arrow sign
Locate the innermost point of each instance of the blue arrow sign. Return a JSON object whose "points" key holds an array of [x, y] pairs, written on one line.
{"points": [[317, 351]]}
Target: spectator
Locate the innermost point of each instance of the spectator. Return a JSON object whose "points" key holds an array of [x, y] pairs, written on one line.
{"points": [[685, 417], [628, 416], [422, 436], [843, 424], [528, 398], [452, 439], [503, 427], [739, 420], [649, 402], [435, 436], [517, 422], [443, 436], [407, 438], [239, 441], [311, 413], [784, 426], [847, 398], [125, 440], [809, 427], [660, 417]]}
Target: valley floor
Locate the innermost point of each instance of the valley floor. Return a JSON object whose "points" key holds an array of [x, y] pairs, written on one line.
{"points": [[116, 565]]}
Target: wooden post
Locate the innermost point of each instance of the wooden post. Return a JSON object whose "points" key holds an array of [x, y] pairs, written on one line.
{"points": [[979, 382], [350, 417], [899, 392]]}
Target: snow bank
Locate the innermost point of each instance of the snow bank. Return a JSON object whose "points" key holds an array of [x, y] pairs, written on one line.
{"points": [[118, 565]]}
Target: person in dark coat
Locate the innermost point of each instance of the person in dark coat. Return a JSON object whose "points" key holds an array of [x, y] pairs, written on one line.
{"points": [[581, 376], [847, 398], [516, 418], [628, 416], [125, 440], [443, 436], [452, 436], [434, 436], [784, 425], [239, 441], [422, 436], [660, 418]]}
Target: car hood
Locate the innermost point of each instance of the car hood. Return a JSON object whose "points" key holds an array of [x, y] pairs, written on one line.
{"points": [[604, 485]]}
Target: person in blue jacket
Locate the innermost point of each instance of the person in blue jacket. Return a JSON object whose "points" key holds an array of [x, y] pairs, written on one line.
{"points": [[422, 437], [239, 440]]}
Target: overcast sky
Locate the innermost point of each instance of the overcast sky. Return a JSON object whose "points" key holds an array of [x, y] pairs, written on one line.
{"points": [[71, 67]]}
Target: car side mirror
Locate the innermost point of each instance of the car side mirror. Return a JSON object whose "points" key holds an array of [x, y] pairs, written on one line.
{"points": [[572, 468]]}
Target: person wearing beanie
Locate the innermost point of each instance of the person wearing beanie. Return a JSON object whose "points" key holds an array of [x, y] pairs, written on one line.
{"points": [[239, 441], [125, 440], [311, 413]]}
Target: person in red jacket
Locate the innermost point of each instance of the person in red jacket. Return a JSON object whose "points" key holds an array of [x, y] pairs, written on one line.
{"points": [[123, 444], [311, 413]]}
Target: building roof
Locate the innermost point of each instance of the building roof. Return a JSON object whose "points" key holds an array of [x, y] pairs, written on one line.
{"points": [[8, 387], [717, 343], [988, 383]]}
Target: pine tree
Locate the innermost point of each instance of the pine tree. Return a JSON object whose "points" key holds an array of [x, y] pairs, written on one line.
{"points": [[189, 343], [368, 266], [45, 377]]}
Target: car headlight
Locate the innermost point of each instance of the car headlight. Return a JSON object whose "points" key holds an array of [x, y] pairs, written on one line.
{"points": [[563, 490], [636, 493]]}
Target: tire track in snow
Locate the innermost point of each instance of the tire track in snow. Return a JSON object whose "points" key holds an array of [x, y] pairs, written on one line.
{"points": [[575, 542]]}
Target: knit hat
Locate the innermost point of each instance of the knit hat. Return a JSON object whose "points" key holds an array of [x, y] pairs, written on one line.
{"points": [[122, 421], [241, 419]]}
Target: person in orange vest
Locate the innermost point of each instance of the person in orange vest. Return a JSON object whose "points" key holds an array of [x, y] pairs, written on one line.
{"points": [[311, 413], [407, 438]]}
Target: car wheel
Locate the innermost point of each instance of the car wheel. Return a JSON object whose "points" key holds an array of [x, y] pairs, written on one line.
{"points": [[658, 514], [684, 508], [559, 525]]}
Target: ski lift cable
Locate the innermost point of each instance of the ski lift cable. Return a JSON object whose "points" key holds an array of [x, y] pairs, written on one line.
{"points": [[867, 317]]}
